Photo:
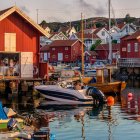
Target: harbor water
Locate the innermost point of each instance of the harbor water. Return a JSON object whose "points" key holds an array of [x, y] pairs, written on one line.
{"points": [[117, 121]]}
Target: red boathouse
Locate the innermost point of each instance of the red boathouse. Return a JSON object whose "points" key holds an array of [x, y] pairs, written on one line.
{"points": [[19, 44]]}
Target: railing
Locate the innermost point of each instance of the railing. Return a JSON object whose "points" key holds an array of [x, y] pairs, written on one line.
{"points": [[129, 62]]}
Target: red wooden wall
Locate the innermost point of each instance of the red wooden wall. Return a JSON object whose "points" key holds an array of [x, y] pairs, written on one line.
{"points": [[73, 52], [27, 37]]}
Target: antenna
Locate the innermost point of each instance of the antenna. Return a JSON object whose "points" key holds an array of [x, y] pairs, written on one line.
{"points": [[37, 10], [82, 55]]}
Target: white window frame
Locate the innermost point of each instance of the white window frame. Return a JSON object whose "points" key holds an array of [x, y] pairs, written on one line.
{"points": [[136, 47], [103, 33], [128, 47], [66, 48], [53, 49]]}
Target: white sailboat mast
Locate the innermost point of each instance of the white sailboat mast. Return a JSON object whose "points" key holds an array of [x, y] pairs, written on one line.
{"points": [[110, 41]]}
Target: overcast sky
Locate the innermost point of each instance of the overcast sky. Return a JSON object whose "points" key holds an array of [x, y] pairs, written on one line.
{"points": [[69, 10]]}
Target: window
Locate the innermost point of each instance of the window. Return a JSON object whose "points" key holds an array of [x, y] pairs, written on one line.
{"points": [[10, 42], [136, 47], [66, 56], [128, 47], [66, 48], [123, 49], [48, 55], [53, 49], [53, 56], [103, 33], [45, 57]]}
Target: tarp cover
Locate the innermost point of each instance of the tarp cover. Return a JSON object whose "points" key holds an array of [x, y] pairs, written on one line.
{"points": [[3, 115]]}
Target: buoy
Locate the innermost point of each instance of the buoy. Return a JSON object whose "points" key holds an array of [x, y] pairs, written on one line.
{"points": [[110, 101], [130, 94]]}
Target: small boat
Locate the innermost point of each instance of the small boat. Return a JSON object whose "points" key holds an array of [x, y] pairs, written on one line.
{"points": [[103, 81], [5, 115], [70, 95]]}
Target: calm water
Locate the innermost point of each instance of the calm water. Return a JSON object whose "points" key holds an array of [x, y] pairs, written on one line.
{"points": [[118, 122]]}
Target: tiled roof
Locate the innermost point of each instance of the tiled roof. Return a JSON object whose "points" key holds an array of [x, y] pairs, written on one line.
{"points": [[121, 25], [44, 48], [106, 47], [58, 43], [87, 35], [134, 35], [93, 53], [62, 43], [64, 29], [97, 30]]}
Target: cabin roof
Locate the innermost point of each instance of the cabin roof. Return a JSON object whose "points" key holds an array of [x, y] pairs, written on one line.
{"points": [[106, 47]]}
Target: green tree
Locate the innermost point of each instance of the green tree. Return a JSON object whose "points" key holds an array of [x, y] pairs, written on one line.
{"points": [[43, 23], [93, 46], [129, 19]]}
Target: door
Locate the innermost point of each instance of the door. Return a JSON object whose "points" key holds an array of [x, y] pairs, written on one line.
{"points": [[60, 56], [10, 42], [27, 64]]}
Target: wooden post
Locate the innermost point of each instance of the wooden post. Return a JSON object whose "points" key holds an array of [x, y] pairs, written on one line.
{"points": [[109, 75], [100, 75]]}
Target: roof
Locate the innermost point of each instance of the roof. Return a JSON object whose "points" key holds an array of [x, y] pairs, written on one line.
{"points": [[5, 13], [135, 35], [121, 25], [88, 35], [44, 48], [58, 34], [58, 43], [62, 43], [97, 30], [64, 29], [106, 47], [91, 53]]}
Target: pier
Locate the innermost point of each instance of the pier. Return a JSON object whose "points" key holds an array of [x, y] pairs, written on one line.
{"points": [[129, 68]]}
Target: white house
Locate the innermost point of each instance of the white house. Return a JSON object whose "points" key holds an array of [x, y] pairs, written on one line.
{"points": [[58, 36], [89, 38], [115, 33], [103, 34], [68, 31], [127, 29]]}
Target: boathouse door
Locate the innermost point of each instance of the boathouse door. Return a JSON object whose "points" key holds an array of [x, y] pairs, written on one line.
{"points": [[27, 64]]}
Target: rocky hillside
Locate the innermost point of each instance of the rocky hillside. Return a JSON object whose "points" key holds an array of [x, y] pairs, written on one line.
{"points": [[90, 22]]}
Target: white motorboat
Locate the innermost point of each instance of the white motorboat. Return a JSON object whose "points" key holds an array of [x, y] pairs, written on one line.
{"points": [[69, 95]]}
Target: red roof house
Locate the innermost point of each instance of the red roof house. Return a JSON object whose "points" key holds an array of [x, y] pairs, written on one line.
{"points": [[103, 51], [130, 46], [63, 51]]}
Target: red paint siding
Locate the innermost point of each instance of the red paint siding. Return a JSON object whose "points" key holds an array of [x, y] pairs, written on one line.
{"points": [[132, 53], [43, 70], [27, 37], [73, 52]]}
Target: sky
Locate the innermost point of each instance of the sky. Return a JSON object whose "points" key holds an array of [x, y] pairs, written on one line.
{"points": [[69, 10]]}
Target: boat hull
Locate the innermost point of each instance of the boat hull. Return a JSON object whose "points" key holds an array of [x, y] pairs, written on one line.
{"points": [[112, 87], [64, 96]]}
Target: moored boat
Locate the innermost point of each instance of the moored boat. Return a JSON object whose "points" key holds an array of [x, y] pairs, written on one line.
{"points": [[104, 82], [70, 95]]}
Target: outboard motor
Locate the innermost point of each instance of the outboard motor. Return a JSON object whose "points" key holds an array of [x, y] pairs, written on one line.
{"points": [[97, 95], [12, 124]]}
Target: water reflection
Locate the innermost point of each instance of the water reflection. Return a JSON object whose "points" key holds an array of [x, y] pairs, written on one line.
{"points": [[109, 121], [131, 104]]}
